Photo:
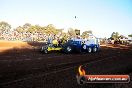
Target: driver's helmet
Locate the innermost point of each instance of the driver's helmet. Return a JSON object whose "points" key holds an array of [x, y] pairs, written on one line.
{"points": [[55, 42]]}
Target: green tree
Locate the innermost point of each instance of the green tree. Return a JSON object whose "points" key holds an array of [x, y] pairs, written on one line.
{"points": [[64, 38], [19, 29], [4, 27], [130, 36], [50, 29], [115, 35], [43, 29], [85, 34], [38, 28], [90, 31], [77, 32], [35, 28], [32, 29], [26, 26], [71, 32]]}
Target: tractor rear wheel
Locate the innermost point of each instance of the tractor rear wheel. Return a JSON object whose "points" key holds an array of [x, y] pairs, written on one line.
{"points": [[68, 49], [95, 49]]}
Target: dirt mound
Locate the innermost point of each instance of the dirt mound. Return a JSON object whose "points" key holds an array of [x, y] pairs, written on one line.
{"points": [[6, 45]]}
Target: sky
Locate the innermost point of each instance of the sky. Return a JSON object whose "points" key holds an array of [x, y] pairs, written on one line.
{"points": [[101, 16]]}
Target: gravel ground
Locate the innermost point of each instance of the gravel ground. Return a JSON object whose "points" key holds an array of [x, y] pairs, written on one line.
{"points": [[28, 68]]}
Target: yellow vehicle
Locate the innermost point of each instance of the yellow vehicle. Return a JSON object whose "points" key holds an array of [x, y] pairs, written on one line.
{"points": [[55, 46]]}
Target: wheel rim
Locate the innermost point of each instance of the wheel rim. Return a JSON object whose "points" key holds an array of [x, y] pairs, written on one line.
{"points": [[42, 48], [95, 49], [89, 50], [69, 48], [45, 51]]}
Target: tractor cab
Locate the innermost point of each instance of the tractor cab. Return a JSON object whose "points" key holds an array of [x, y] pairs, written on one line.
{"points": [[73, 45]]}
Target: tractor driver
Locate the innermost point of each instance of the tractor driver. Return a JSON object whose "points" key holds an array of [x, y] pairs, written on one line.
{"points": [[50, 40]]}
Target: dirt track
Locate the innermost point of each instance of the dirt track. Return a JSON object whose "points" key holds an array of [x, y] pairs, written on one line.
{"points": [[26, 67]]}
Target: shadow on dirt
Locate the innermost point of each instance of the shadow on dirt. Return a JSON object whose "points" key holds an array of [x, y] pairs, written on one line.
{"points": [[17, 48], [36, 44]]}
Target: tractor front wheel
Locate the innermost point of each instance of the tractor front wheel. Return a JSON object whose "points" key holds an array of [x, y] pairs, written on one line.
{"points": [[44, 50], [95, 49], [89, 49]]}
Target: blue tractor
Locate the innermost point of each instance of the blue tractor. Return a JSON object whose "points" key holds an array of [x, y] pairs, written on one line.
{"points": [[81, 45]]}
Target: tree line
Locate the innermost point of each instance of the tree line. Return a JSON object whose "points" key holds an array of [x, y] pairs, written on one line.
{"points": [[51, 29]]}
